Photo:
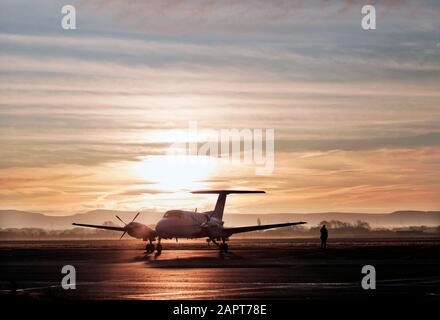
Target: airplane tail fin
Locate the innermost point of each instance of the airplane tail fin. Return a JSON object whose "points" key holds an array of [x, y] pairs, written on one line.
{"points": [[221, 200]]}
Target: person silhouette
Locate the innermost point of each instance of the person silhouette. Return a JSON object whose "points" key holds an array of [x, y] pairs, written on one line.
{"points": [[324, 236]]}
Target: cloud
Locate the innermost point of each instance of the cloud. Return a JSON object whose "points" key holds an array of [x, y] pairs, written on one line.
{"points": [[425, 140], [139, 192], [83, 153], [230, 13], [355, 114]]}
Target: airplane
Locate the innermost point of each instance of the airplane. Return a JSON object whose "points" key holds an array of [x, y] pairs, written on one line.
{"points": [[190, 224]]}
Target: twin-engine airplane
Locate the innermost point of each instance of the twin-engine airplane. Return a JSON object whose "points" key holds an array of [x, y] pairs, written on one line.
{"points": [[189, 224]]}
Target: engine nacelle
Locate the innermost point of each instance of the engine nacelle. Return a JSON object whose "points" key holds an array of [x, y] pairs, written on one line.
{"points": [[141, 231], [214, 227]]}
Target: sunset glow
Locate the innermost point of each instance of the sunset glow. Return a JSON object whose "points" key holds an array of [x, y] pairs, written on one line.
{"points": [[87, 117]]}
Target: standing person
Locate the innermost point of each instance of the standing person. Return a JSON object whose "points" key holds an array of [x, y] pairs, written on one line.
{"points": [[324, 236]]}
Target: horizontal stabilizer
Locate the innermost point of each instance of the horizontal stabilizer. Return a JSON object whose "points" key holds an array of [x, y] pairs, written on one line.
{"points": [[225, 191]]}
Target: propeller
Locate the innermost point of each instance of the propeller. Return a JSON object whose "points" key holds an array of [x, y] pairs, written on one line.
{"points": [[121, 220], [126, 224], [136, 216]]}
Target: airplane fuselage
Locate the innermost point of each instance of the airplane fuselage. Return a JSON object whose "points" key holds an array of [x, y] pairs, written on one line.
{"points": [[179, 224], [188, 224]]}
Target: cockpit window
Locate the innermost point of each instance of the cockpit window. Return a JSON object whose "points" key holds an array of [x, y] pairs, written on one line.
{"points": [[173, 214]]}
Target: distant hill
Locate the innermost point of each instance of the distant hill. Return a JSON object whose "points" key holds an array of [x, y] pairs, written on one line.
{"points": [[394, 219], [23, 219]]}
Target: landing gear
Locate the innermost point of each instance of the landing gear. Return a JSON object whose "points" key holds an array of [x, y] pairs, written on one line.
{"points": [[149, 248], [222, 246], [158, 248]]}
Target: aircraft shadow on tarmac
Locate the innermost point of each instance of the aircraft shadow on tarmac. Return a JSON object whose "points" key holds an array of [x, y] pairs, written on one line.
{"points": [[177, 260]]}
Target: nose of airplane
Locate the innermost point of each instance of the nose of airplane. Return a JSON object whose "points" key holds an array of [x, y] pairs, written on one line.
{"points": [[162, 226]]}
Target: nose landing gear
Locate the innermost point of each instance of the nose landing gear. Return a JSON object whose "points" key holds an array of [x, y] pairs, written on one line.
{"points": [[149, 248], [158, 249]]}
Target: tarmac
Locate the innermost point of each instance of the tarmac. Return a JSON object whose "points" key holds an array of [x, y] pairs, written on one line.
{"points": [[293, 269]]}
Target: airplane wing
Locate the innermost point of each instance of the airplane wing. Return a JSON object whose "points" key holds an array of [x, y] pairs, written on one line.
{"points": [[231, 231], [99, 227]]}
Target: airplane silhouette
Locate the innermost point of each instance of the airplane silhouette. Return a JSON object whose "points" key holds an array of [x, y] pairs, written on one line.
{"points": [[190, 224]]}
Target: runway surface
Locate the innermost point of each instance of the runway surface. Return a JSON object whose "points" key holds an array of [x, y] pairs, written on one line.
{"points": [[254, 269]]}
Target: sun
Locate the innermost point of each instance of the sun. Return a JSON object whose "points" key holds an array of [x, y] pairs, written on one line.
{"points": [[175, 173]]}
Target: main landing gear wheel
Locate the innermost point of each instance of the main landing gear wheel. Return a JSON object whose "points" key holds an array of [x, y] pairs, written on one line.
{"points": [[159, 248], [149, 248]]}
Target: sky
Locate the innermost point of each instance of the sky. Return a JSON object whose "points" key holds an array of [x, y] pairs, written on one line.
{"points": [[87, 115]]}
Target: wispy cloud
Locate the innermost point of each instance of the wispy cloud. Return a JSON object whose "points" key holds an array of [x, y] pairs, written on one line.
{"points": [[355, 113]]}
